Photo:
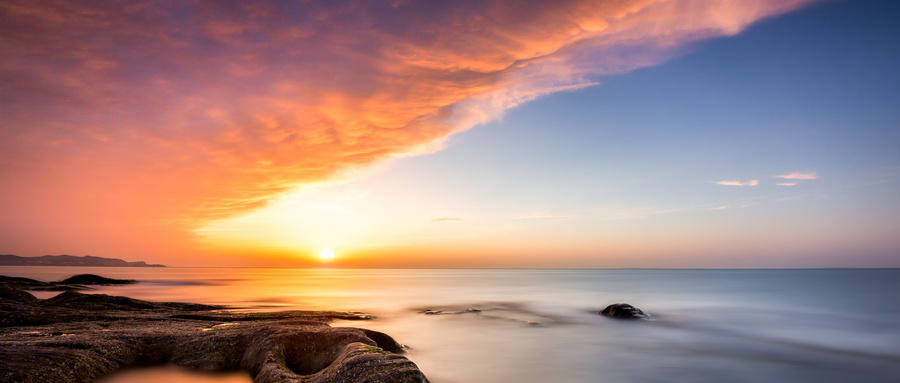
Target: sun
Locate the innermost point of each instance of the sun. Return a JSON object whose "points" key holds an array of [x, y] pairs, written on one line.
{"points": [[326, 255]]}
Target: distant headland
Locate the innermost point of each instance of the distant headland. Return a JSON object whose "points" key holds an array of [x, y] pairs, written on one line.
{"points": [[69, 260]]}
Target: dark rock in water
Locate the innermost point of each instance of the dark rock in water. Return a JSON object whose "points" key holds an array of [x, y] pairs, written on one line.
{"points": [[24, 283], [19, 280], [77, 282], [92, 279], [77, 338], [623, 311], [9, 294]]}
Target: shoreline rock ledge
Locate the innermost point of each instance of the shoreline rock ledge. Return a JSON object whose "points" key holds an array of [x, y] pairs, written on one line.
{"points": [[78, 338]]}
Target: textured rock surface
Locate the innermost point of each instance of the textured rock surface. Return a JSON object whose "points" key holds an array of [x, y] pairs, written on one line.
{"points": [[75, 338], [623, 311]]}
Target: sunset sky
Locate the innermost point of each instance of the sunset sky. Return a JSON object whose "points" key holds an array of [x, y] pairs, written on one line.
{"points": [[406, 133]]}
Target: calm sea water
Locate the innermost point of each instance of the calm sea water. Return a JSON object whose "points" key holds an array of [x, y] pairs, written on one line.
{"points": [[542, 325]]}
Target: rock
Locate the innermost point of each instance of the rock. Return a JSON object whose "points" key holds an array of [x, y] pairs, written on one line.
{"points": [[431, 312], [509, 311], [76, 338], [24, 283], [623, 311], [77, 282], [9, 294], [92, 279], [97, 302]]}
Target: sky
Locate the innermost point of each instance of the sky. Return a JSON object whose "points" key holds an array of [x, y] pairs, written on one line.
{"points": [[560, 134]]}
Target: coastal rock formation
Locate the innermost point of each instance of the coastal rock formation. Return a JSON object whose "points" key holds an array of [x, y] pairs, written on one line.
{"points": [[623, 311], [9, 294], [75, 282], [76, 338]]}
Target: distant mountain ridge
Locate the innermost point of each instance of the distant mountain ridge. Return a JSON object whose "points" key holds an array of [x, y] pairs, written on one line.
{"points": [[69, 260]]}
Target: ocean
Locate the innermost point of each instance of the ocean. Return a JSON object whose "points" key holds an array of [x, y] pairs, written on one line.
{"points": [[538, 326]]}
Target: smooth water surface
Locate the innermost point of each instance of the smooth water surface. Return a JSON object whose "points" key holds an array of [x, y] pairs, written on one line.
{"points": [[172, 374], [542, 325]]}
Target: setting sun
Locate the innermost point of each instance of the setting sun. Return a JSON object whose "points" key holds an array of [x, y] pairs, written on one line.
{"points": [[326, 255]]}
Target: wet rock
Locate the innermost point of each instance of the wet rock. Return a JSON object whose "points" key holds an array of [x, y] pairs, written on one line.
{"points": [[76, 338], [93, 279], [623, 311]]}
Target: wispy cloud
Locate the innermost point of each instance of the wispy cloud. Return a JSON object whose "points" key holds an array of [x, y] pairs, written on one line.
{"points": [[787, 183], [447, 219], [723, 207], [798, 176], [737, 183]]}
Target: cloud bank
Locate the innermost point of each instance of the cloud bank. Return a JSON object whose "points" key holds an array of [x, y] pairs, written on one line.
{"points": [[122, 121]]}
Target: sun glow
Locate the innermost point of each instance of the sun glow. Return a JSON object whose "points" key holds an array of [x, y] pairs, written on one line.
{"points": [[326, 255]]}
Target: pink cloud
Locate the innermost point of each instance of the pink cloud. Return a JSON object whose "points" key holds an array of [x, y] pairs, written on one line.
{"points": [[130, 119], [799, 176], [737, 183]]}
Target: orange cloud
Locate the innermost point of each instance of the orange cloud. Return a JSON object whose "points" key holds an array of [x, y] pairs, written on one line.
{"points": [[130, 122]]}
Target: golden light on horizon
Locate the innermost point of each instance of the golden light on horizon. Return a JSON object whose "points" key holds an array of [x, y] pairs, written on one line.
{"points": [[326, 255]]}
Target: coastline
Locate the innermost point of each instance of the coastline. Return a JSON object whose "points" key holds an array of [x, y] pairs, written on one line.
{"points": [[75, 337], [755, 325]]}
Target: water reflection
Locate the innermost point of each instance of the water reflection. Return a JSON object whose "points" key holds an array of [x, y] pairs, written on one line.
{"points": [[172, 374]]}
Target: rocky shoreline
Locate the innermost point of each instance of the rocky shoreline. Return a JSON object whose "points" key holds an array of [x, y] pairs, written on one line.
{"points": [[77, 338]]}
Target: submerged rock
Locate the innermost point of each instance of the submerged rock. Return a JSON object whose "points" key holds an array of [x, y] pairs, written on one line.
{"points": [[623, 311], [76, 338]]}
